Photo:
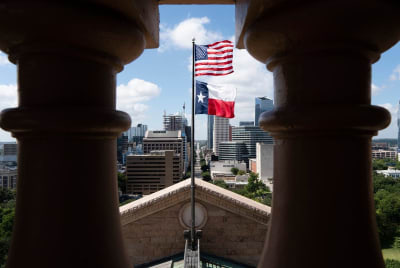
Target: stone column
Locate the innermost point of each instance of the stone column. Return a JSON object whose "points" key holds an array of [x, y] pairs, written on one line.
{"points": [[320, 54], [66, 126]]}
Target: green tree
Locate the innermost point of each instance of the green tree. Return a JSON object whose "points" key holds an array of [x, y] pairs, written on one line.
{"points": [[234, 171], [206, 175], [204, 168], [392, 263], [379, 164], [221, 183], [122, 180], [387, 205], [7, 214], [6, 195], [256, 190], [187, 175], [388, 216], [241, 172], [203, 162]]}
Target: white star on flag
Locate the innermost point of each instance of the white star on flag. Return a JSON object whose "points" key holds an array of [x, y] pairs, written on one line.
{"points": [[201, 97]]}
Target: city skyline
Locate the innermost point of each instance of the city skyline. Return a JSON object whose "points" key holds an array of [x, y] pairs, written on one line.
{"points": [[160, 79]]}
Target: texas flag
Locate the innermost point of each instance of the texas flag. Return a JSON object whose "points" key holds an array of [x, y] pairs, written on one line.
{"points": [[215, 100]]}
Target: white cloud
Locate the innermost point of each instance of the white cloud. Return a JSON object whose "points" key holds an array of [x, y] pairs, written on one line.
{"points": [[251, 80], [8, 99], [375, 89], [8, 96], [395, 74], [180, 36], [392, 129], [130, 97], [3, 59]]}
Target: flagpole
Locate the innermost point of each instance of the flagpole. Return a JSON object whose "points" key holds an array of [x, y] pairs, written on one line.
{"points": [[192, 183]]}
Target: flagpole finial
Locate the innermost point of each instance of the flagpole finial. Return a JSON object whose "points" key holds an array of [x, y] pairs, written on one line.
{"points": [[193, 39]]}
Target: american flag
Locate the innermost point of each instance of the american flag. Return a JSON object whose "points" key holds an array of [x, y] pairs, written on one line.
{"points": [[214, 59]]}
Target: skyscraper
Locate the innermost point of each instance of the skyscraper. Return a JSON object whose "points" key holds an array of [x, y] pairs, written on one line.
{"points": [[262, 104], [136, 134], [210, 131], [174, 122], [246, 123], [251, 136], [178, 122], [156, 140], [220, 133], [232, 150], [122, 148]]}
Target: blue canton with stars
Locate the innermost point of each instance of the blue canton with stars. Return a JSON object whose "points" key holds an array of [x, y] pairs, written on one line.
{"points": [[201, 98], [201, 52]]}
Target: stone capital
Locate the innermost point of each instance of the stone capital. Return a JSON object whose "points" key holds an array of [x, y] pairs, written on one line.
{"points": [[273, 28], [102, 30]]}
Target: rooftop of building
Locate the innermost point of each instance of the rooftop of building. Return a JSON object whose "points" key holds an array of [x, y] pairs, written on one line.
{"points": [[163, 134], [388, 171], [383, 151]]}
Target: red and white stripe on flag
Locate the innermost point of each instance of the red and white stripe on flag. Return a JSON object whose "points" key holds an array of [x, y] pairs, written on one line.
{"points": [[221, 100], [218, 60]]}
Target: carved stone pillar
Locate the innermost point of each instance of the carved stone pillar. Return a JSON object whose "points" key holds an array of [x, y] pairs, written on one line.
{"points": [[66, 125], [320, 54]]}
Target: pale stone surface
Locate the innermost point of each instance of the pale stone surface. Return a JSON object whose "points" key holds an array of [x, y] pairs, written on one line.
{"points": [[236, 226], [225, 235]]}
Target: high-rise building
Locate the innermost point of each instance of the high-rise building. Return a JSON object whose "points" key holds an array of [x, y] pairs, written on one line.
{"points": [[262, 104], [136, 134], [152, 172], [251, 136], [8, 177], [122, 148], [246, 123], [188, 131], [156, 140], [265, 161], [232, 150], [220, 133], [174, 122], [9, 152], [210, 131]]}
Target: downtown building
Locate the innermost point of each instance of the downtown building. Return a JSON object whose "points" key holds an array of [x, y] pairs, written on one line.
{"points": [[161, 140], [136, 134], [221, 132], [8, 177], [383, 154], [174, 122], [178, 122], [232, 150], [250, 136], [262, 104], [122, 148], [9, 152], [210, 131], [152, 172]]}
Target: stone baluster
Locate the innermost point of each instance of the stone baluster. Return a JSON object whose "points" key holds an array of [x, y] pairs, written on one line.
{"points": [[320, 53], [67, 56]]}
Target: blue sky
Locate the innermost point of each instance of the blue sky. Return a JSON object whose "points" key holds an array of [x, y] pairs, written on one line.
{"points": [[160, 79]]}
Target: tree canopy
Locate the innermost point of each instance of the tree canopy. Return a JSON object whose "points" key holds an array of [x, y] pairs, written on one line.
{"points": [[234, 171], [387, 205], [7, 214]]}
